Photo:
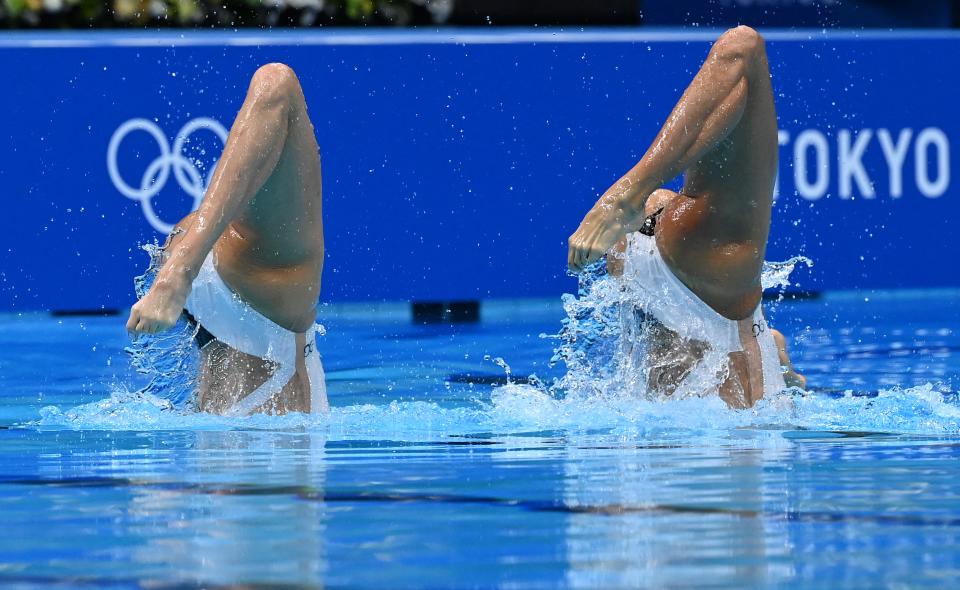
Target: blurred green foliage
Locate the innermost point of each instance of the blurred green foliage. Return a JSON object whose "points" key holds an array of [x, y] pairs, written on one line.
{"points": [[214, 13]]}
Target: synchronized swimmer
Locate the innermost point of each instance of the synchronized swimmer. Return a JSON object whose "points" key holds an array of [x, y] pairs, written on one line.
{"points": [[246, 266], [702, 249]]}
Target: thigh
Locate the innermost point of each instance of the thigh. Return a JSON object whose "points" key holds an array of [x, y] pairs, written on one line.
{"points": [[740, 172], [714, 234], [721, 271], [283, 224], [272, 254]]}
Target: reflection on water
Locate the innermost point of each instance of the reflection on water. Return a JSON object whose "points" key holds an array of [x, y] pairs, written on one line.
{"points": [[425, 475], [232, 531], [662, 531], [755, 508]]}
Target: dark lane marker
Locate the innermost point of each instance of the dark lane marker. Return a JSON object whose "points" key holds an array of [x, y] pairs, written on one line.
{"points": [[313, 494]]}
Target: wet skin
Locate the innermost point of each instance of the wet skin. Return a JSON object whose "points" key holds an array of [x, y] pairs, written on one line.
{"points": [[262, 217], [722, 135]]}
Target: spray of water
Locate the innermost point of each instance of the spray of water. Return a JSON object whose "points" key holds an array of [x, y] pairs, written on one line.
{"points": [[595, 395], [612, 349], [167, 361], [776, 275], [516, 409]]}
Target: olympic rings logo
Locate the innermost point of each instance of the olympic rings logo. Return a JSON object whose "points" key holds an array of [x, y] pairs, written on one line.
{"points": [[171, 159]]}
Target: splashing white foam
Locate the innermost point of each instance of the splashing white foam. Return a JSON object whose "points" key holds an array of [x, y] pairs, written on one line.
{"points": [[519, 408], [168, 361], [595, 395], [776, 275], [611, 347]]}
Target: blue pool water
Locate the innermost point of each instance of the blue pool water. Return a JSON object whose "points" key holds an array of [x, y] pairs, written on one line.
{"points": [[431, 473]]}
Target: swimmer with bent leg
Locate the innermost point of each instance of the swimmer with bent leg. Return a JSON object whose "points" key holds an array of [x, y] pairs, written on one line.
{"points": [[706, 243], [246, 265]]}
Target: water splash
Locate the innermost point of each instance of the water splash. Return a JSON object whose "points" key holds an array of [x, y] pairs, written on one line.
{"points": [[168, 361], [500, 362], [594, 396], [776, 275], [519, 408], [612, 348]]}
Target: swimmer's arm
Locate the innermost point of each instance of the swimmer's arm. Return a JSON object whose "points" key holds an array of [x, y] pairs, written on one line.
{"points": [[790, 375]]}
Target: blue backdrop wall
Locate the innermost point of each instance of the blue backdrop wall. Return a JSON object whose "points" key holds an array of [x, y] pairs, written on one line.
{"points": [[457, 163]]}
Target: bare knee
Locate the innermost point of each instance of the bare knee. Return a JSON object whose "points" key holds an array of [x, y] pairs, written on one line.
{"points": [[741, 43], [275, 82]]}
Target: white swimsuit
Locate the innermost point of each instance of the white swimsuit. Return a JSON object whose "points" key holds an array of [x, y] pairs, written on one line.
{"points": [[661, 294], [232, 321]]}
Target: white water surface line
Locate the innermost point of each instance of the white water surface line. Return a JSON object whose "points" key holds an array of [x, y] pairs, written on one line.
{"points": [[455, 36]]}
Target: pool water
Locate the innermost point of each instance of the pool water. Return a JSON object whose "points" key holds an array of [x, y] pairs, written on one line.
{"points": [[433, 472]]}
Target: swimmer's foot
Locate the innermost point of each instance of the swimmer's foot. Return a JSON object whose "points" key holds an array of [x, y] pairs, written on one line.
{"points": [[607, 222], [160, 308]]}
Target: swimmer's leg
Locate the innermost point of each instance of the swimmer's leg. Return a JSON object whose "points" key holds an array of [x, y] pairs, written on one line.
{"points": [[790, 375], [272, 253], [615, 260], [253, 150], [262, 214], [729, 84]]}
